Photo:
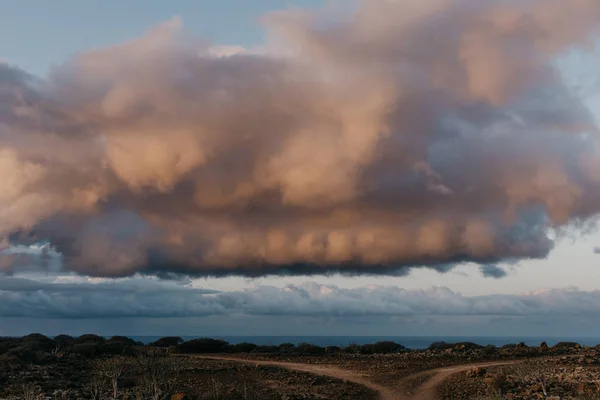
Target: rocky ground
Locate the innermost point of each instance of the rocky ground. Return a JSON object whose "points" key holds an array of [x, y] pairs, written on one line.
{"points": [[575, 377], [392, 369], [194, 379], [67, 368]]}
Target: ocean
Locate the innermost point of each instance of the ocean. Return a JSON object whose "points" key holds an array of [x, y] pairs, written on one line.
{"points": [[411, 342]]}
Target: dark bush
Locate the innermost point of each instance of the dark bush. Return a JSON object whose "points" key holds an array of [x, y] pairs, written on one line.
{"points": [[310, 349], [23, 354], [204, 346], [439, 346], [86, 349], [7, 343], [384, 347], [459, 346], [64, 340], [287, 348], [89, 338], [118, 345], [467, 346], [352, 348], [333, 349], [38, 342], [267, 349], [243, 348], [490, 350], [566, 346], [122, 340], [168, 341]]}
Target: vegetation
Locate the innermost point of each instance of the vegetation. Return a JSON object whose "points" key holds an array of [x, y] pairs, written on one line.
{"points": [[101, 368]]}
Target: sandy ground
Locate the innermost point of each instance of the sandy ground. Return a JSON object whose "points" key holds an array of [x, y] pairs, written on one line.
{"points": [[425, 390]]}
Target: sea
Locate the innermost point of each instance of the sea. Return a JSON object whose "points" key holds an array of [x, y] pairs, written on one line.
{"points": [[411, 342]]}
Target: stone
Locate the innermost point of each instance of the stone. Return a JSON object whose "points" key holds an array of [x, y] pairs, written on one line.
{"points": [[476, 372]]}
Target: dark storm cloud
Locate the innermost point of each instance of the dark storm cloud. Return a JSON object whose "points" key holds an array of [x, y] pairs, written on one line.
{"points": [[492, 271]]}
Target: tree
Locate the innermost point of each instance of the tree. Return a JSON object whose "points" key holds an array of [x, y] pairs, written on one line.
{"points": [[112, 369], [158, 374]]}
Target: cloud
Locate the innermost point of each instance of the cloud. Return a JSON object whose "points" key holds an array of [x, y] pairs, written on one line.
{"points": [[492, 271], [150, 298], [351, 151]]}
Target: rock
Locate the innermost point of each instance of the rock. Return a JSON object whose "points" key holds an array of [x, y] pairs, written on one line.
{"points": [[475, 372]]}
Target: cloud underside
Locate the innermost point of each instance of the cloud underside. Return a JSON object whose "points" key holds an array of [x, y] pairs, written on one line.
{"points": [[401, 135], [144, 298]]}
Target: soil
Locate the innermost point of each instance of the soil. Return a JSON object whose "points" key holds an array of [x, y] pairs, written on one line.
{"points": [[35, 367]]}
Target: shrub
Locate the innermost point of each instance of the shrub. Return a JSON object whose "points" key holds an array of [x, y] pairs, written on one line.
{"points": [[243, 348], [204, 346], [566, 345], [64, 340], [86, 349], [490, 350], [267, 349], [89, 338], [384, 347], [7, 343], [23, 354], [122, 340], [287, 348], [439, 346], [168, 341], [460, 345], [118, 345], [352, 348], [310, 349], [38, 342], [468, 346], [333, 349]]}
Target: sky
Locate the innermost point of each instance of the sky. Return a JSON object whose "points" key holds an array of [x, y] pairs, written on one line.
{"points": [[299, 168]]}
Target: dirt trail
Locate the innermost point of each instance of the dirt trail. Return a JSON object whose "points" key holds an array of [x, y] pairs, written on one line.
{"points": [[324, 370], [425, 391]]}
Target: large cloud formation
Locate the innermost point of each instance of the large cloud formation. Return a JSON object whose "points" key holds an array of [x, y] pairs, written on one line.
{"points": [[144, 298], [399, 134]]}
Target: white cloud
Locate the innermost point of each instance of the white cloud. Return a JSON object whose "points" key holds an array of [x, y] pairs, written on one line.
{"points": [[153, 298], [227, 51]]}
